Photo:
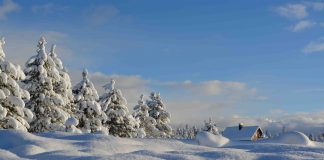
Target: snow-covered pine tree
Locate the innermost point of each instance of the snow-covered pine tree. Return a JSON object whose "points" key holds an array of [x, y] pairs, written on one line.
{"points": [[146, 122], [268, 134], [88, 110], [195, 131], [158, 112], [63, 86], [48, 106], [119, 121], [13, 114], [211, 127]]}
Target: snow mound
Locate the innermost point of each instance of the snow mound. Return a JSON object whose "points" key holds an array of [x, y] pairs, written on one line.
{"points": [[293, 137], [71, 122], [211, 140]]}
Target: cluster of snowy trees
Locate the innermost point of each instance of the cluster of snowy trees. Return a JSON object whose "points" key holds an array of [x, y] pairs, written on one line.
{"points": [[316, 137], [191, 132], [186, 132], [41, 98]]}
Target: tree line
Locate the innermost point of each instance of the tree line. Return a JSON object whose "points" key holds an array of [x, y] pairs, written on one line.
{"points": [[41, 98]]}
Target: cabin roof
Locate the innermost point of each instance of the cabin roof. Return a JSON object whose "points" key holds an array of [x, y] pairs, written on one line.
{"points": [[246, 133]]}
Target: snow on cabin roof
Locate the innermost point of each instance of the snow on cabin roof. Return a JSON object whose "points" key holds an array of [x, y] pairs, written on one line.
{"points": [[246, 133]]}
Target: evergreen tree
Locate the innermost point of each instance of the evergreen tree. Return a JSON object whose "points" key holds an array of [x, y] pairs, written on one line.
{"points": [[195, 131], [158, 112], [63, 86], [119, 121], [13, 114], [211, 127], [268, 134], [88, 110], [48, 106], [146, 122]]}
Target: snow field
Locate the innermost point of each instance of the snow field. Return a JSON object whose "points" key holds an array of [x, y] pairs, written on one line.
{"points": [[61, 145]]}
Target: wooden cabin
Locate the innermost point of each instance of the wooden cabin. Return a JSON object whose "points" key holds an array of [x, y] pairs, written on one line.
{"points": [[243, 133]]}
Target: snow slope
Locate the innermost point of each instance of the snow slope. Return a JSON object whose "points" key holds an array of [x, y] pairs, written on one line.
{"points": [[58, 145]]}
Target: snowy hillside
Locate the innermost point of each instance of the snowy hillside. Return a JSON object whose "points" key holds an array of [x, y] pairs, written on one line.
{"points": [[59, 145]]}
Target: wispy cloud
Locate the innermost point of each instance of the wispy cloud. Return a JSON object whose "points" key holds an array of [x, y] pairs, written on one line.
{"points": [[211, 88], [301, 25], [297, 11], [315, 46], [7, 7], [300, 12], [100, 15]]}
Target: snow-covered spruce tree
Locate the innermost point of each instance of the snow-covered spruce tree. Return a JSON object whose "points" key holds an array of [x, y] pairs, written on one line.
{"points": [[48, 106], [119, 121], [146, 122], [13, 114], [88, 110], [211, 127], [63, 86], [158, 112]]}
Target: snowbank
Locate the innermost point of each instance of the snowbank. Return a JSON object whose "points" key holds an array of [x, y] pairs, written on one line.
{"points": [[293, 137], [211, 140], [61, 145]]}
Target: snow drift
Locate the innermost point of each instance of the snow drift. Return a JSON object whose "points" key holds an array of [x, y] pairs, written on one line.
{"points": [[211, 140], [292, 137]]}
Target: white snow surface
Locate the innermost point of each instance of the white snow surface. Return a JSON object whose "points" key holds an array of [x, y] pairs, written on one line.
{"points": [[16, 144]]}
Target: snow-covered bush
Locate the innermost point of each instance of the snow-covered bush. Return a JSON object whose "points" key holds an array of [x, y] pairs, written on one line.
{"points": [[13, 114], [211, 127], [71, 124], [119, 121], [48, 106], [147, 123], [88, 110], [158, 112]]}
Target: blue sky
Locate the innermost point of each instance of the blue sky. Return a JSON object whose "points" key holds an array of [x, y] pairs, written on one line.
{"points": [[228, 57]]}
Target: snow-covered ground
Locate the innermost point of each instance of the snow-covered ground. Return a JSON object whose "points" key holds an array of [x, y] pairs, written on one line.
{"points": [[58, 145]]}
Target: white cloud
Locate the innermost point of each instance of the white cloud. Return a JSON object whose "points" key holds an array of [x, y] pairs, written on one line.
{"points": [[100, 15], [7, 7], [301, 25], [297, 11], [211, 87], [315, 46]]}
